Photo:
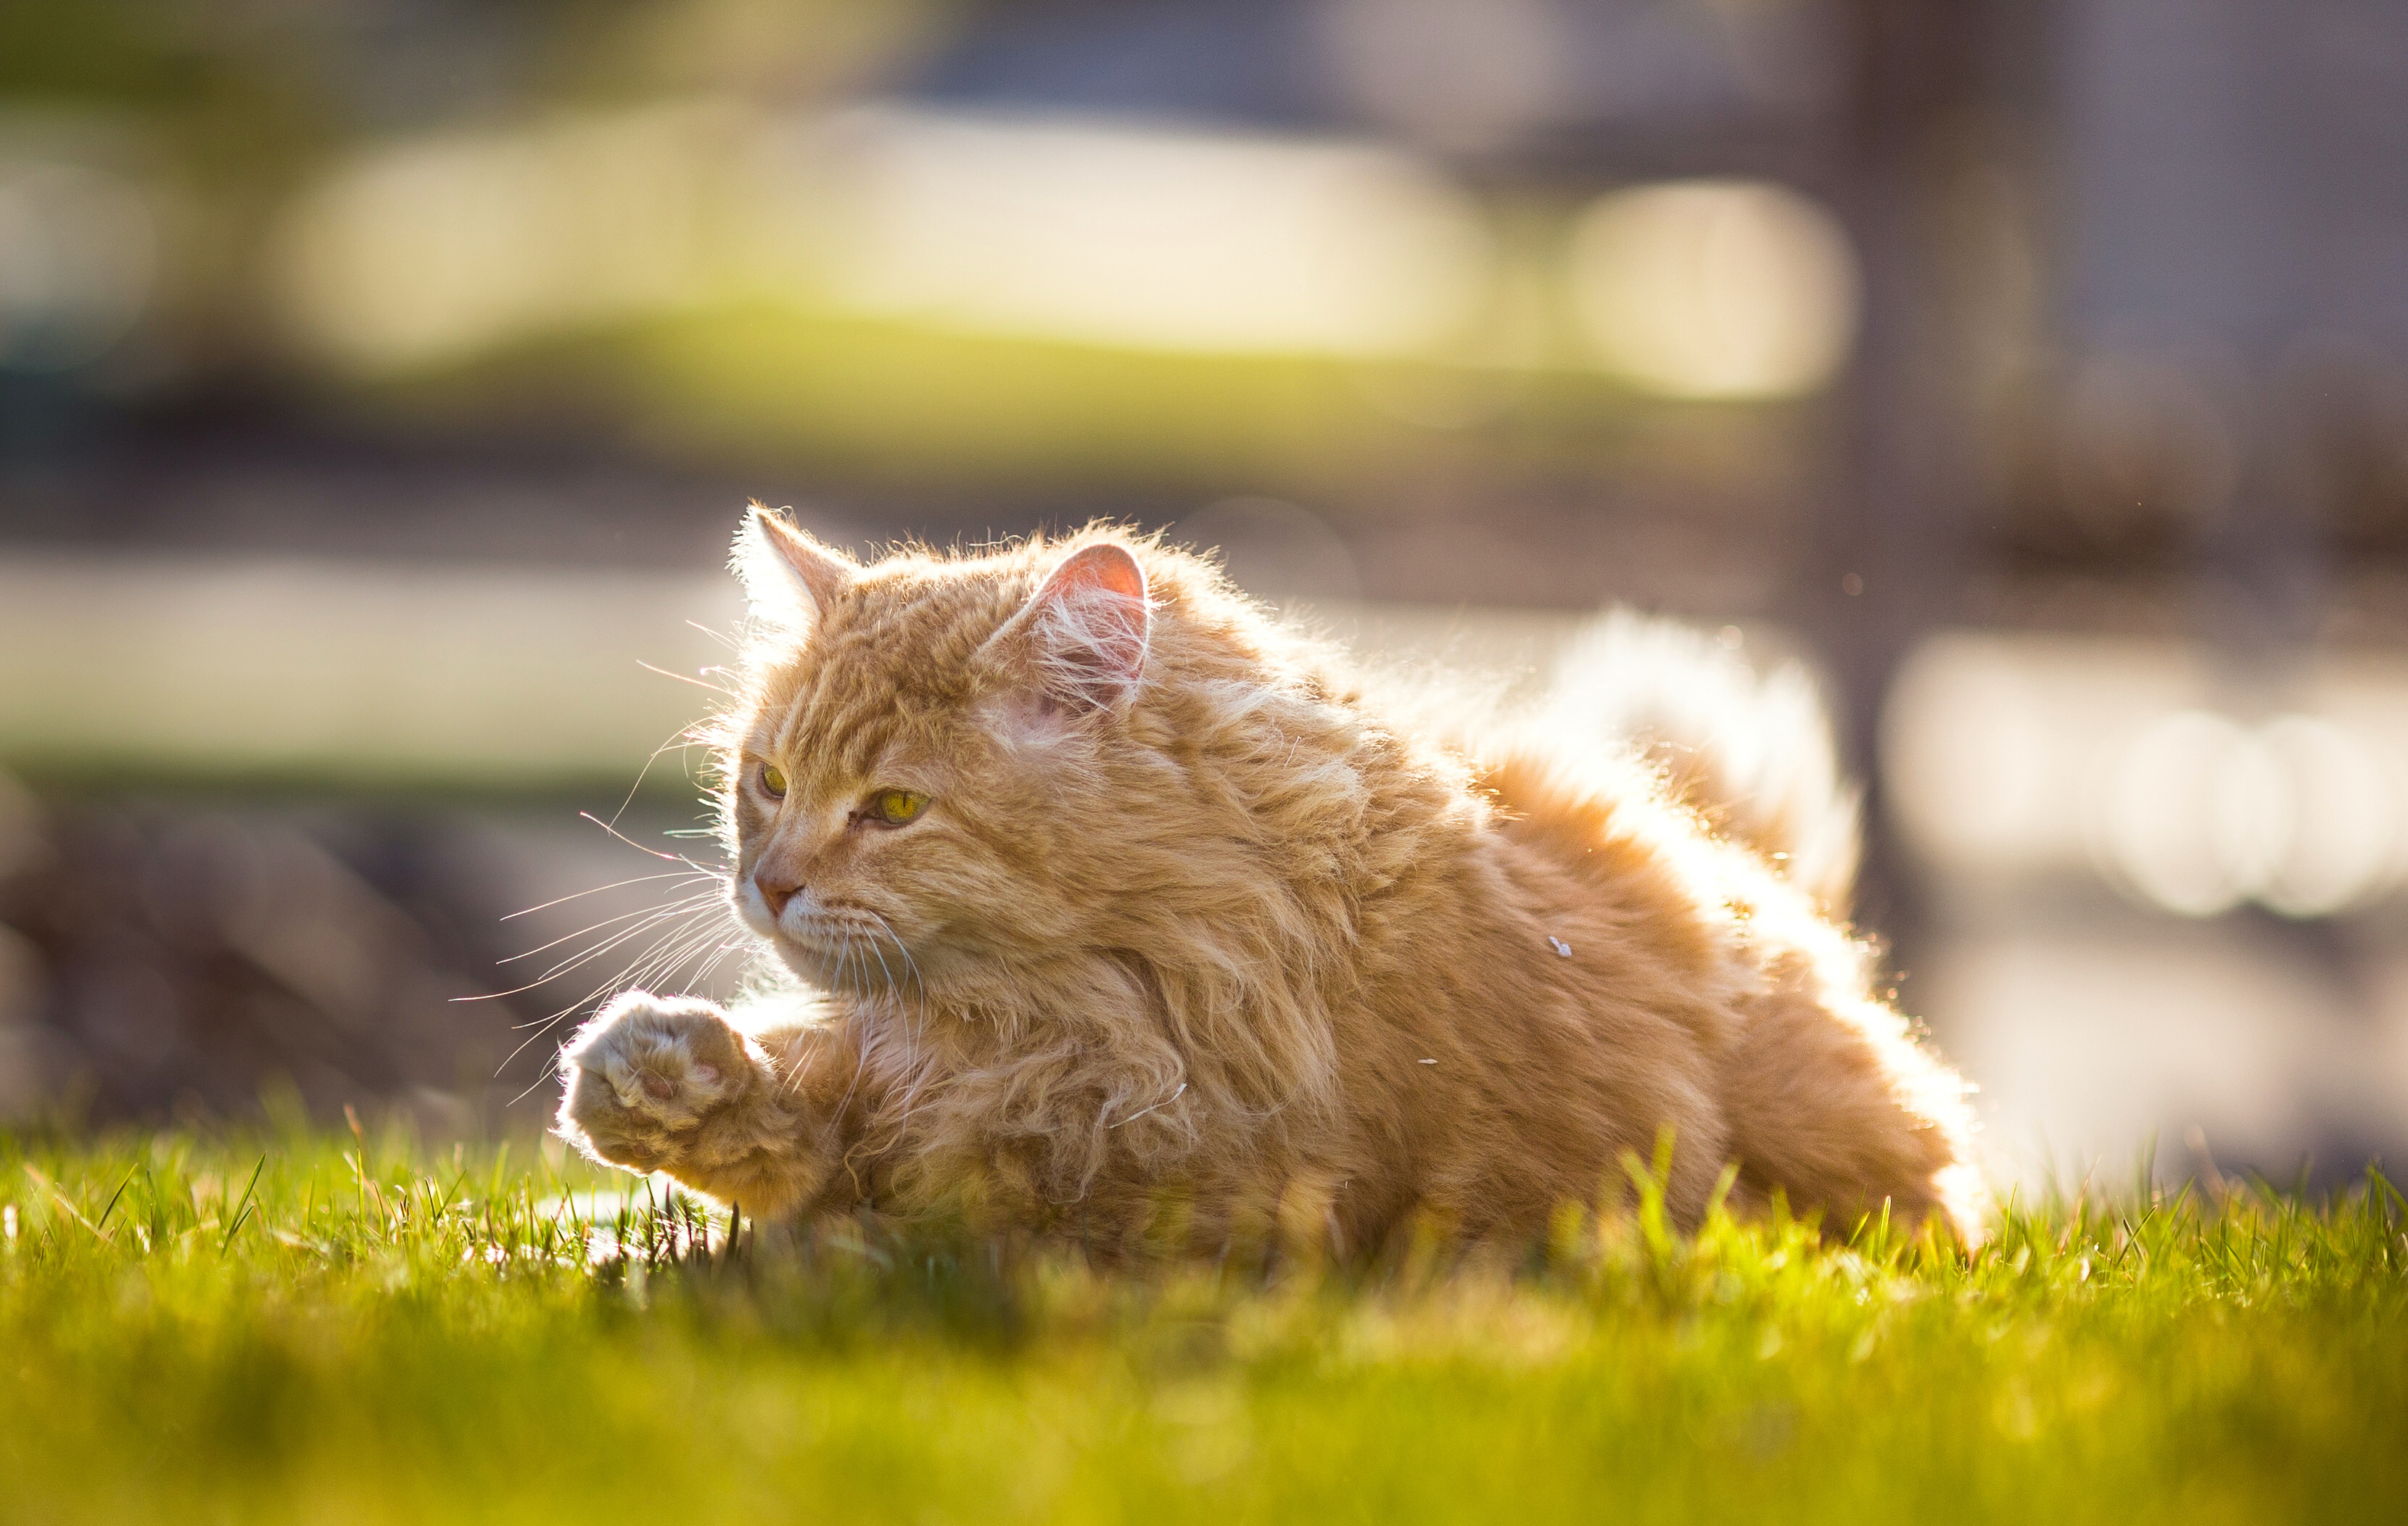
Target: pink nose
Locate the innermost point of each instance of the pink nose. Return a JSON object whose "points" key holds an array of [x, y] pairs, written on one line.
{"points": [[775, 892]]}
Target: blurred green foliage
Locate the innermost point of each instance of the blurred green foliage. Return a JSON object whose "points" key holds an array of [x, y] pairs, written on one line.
{"points": [[764, 385], [232, 122]]}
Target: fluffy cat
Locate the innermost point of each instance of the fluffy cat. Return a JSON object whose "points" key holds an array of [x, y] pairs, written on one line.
{"points": [[1117, 910]]}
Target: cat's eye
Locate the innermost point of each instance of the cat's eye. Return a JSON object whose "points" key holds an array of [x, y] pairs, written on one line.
{"points": [[894, 807], [773, 782]]}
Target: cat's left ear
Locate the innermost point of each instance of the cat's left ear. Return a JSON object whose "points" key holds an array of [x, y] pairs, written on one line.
{"points": [[1086, 628], [789, 577]]}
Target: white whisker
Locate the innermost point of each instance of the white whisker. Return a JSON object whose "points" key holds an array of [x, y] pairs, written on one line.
{"points": [[615, 885], [596, 927]]}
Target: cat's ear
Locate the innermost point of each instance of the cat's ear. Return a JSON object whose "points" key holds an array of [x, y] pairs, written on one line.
{"points": [[788, 576], [1083, 632]]}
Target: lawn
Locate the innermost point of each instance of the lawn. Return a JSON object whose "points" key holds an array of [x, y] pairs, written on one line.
{"points": [[211, 1326]]}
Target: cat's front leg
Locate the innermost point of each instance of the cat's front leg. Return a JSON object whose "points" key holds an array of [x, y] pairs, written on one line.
{"points": [[657, 1083]]}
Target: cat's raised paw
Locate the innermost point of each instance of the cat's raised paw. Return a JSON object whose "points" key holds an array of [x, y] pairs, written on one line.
{"points": [[645, 1072]]}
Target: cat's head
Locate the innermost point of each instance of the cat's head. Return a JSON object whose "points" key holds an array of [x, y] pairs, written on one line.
{"points": [[931, 767]]}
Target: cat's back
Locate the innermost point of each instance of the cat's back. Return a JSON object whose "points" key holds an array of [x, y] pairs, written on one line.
{"points": [[1615, 957]]}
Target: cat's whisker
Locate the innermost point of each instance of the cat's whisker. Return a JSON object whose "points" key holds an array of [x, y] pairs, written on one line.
{"points": [[861, 1044], [720, 955], [588, 956], [710, 965], [703, 944], [652, 968], [678, 944], [684, 736], [674, 950], [670, 858], [845, 960], [548, 1072], [615, 885], [679, 912], [716, 689], [702, 894], [910, 1035], [719, 636], [911, 964], [879, 955], [596, 927], [915, 1034], [625, 978], [672, 931]]}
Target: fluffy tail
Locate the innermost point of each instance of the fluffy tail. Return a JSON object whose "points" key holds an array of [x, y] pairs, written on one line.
{"points": [[1752, 753]]}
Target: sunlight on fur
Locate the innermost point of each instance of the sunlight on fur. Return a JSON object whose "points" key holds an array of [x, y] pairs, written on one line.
{"points": [[1191, 934]]}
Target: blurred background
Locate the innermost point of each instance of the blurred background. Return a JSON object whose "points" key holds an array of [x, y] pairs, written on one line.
{"points": [[381, 380]]}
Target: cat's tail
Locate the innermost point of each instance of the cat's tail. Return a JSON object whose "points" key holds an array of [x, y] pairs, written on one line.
{"points": [[1751, 751]]}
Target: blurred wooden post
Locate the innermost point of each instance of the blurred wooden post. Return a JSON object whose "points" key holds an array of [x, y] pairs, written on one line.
{"points": [[1887, 552]]}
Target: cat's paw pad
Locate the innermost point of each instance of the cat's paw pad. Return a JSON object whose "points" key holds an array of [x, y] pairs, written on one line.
{"points": [[646, 1070]]}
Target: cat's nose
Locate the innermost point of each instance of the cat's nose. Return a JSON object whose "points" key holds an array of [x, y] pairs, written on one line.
{"points": [[776, 891]]}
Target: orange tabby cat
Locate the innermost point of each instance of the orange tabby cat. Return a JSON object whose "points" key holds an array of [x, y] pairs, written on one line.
{"points": [[1108, 899]]}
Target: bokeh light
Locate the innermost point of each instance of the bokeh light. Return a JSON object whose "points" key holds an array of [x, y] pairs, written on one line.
{"points": [[423, 251], [2028, 757], [1715, 289], [2191, 813], [1152, 238]]}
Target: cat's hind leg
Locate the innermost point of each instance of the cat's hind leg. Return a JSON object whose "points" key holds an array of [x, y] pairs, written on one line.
{"points": [[658, 1083]]}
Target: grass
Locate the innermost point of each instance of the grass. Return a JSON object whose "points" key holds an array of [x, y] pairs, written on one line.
{"points": [[211, 1329]]}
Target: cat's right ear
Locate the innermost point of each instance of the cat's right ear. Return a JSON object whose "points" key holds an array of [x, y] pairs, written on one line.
{"points": [[789, 577]]}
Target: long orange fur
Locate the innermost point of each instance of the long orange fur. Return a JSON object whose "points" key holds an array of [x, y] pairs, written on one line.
{"points": [[1192, 929]]}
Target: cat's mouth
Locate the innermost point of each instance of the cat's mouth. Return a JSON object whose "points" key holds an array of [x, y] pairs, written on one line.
{"points": [[848, 946], [838, 943], [828, 929]]}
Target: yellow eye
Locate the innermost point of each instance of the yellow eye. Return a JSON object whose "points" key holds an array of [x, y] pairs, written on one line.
{"points": [[773, 780], [897, 807]]}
